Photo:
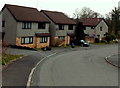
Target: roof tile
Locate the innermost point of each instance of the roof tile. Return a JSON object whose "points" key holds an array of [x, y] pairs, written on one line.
{"points": [[91, 21], [22, 13], [58, 17]]}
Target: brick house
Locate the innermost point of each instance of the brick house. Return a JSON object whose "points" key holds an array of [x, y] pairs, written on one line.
{"points": [[95, 27], [25, 26], [61, 26]]}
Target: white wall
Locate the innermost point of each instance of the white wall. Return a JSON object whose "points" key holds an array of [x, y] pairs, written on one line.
{"points": [[104, 29]]}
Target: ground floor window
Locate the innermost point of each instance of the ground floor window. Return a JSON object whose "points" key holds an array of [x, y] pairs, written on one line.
{"points": [[26, 40], [43, 39], [61, 37]]}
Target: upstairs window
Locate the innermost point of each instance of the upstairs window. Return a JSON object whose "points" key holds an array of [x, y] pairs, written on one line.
{"points": [[41, 25], [26, 25], [92, 27], [100, 28], [70, 27], [3, 23], [61, 27]]}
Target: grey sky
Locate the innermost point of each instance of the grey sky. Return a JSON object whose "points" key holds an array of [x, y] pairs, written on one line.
{"points": [[67, 6]]}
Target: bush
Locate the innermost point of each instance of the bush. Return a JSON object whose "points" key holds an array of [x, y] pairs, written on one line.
{"points": [[57, 42], [113, 37], [97, 40], [103, 41], [110, 38]]}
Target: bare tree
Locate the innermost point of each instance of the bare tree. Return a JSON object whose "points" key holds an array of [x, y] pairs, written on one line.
{"points": [[85, 13], [76, 14]]}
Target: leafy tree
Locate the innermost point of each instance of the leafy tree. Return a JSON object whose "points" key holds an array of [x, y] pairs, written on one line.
{"points": [[79, 32], [115, 20]]}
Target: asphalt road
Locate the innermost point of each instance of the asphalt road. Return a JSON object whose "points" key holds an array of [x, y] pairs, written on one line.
{"points": [[80, 67]]}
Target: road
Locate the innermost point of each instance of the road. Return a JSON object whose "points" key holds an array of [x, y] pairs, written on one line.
{"points": [[80, 67]]}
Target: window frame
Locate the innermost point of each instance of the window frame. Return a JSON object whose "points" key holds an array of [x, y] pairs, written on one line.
{"points": [[61, 37], [92, 27], [43, 39], [101, 29], [26, 25], [61, 27], [41, 25], [70, 27], [3, 23], [23, 40]]}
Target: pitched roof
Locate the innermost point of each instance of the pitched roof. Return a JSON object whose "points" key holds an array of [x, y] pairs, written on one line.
{"points": [[21, 13], [91, 21], [58, 17]]}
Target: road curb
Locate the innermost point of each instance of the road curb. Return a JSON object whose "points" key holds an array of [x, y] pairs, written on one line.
{"points": [[106, 59], [33, 69], [12, 61]]}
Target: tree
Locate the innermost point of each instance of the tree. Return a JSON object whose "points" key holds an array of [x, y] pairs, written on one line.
{"points": [[115, 20], [108, 19], [79, 32], [76, 14], [85, 13]]}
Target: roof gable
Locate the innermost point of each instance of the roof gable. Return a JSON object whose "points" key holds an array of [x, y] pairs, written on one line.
{"points": [[21, 13], [58, 17], [92, 21]]}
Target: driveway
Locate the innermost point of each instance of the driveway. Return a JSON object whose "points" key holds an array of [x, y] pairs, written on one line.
{"points": [[81, 67]]}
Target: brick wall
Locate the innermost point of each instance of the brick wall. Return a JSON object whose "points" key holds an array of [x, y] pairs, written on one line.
{"points": [[18, 43], [36, 43], [89, 38], [40, 45]]}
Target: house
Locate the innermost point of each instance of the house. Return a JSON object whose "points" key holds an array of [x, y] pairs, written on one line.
{"points": [[95, 27], [61, 27], [25, 26], [0, 26]]}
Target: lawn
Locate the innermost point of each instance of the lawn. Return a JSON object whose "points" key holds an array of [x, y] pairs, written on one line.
{"points": [[6, 58]]}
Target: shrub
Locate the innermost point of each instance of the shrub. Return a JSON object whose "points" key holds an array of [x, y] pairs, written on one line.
{"points": [[103, 41], [57, 42], [113, 37], [97, 40], [110, 38]]}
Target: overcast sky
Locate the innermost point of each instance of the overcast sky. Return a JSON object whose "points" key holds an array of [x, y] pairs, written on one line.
{"points": [[67, 6]]}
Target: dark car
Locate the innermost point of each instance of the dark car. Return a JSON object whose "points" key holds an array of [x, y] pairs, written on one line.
{"points": [[84, 43], [46, 48]]}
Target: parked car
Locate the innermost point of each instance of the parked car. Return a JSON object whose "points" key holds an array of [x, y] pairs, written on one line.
{"points": [[46, 48], [72, 45], [84, 43]]}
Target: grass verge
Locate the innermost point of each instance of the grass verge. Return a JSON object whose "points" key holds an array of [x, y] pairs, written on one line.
{"points": [[6, 58]]}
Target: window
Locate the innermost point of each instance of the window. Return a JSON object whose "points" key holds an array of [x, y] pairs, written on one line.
{"points": [[61, 37], [61, 27], [26, 25], [70, 27], [26, 40], [41, 25], [92, 27], [43, 39], [100, 28], [3, 23]]}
